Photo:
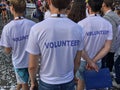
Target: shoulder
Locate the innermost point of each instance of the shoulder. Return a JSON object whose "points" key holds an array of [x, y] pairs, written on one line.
{"points": [[104, 20], [85, 20], [29, 21], [73, 24], [9, 25], [111, 15], [77, 28], [38, 27]]}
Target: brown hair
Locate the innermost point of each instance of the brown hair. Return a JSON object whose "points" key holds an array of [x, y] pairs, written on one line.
{"points": [[61, 4], [108, 3], [18, 5], [78, 11]]}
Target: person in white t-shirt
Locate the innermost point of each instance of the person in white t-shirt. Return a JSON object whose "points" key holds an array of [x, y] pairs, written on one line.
{"points": [[97, 40], [14, 38], [59, 42]]}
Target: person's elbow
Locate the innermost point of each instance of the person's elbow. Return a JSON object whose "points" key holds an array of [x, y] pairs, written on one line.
{"points": [[7, 50], [108, 45]]}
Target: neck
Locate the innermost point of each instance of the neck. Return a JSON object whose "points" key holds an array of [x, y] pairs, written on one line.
{"points": [[54, 10], [58, 12], [94, 13], [17, 15], [106, 9]]}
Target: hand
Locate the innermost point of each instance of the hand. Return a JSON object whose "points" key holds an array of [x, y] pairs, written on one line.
{"points": [[88, 67], [32, 87], [76, 80], [92, 66]]}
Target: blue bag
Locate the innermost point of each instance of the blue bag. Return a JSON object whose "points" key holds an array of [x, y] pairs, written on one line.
{"points": [[97, 80]]}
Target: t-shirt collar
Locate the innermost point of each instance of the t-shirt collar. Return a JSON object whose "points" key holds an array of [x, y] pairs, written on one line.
{"points": [[107, 12]]}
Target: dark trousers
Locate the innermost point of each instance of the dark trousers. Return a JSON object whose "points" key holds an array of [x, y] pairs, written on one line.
{"points": [[117, 69], [108, 61]]}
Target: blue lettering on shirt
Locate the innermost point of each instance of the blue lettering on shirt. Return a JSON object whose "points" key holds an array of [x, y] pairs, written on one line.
{"points": [[102, 32], [63, 43], [20, 38]]}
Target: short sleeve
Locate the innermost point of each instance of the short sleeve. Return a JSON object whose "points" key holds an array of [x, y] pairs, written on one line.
{"points": [[32, 45], [81, 24], [81, 44], [5, 38], [81, 34]]}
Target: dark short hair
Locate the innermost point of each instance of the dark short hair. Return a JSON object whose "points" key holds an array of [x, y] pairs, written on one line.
{"points": [[78, 11], [18, 5], [108, 3], [61, 4], [95, 5]]}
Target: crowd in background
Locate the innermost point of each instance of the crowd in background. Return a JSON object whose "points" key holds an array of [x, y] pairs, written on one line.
{"points": [[41, 8], [77, 11]]}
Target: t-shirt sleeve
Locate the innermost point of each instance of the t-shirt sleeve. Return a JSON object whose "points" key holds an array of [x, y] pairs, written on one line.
{"points": [[80, 23], [5, 38], [110, 35], [32, 45], [81, 46]]}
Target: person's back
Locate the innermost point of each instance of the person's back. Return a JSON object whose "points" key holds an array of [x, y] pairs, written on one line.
{"points": [[113, 18], [58, 41], [96, 30], [58, 45], [97, 40], [14, 38], [117, 61], [18, 32]]}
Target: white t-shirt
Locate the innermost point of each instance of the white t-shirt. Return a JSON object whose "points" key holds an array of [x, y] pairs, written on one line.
{"points": [[47, 14], [96, 31], [57, 40], [15, 35]]}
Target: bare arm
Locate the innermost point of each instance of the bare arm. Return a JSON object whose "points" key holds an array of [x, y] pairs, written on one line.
{"points": [[7, 50], [77, 61], [85, 56], [91, 64], [103, 51], [32, 68]]}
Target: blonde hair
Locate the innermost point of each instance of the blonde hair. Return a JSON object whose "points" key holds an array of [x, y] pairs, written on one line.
{"points": [[18, 5]]}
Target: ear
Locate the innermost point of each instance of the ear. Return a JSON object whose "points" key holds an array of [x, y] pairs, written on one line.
{"points": [[12, 9], [89, 9]]}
